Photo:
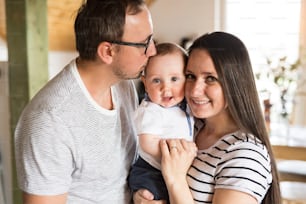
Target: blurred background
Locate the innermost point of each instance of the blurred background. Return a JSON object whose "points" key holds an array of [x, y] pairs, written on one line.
{"points": [[37, 41]]}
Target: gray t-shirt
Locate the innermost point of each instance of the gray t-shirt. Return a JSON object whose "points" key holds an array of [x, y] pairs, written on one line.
{"points": [[66, 143]]}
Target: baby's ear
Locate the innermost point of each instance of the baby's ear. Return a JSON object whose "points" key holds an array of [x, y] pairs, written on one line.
{"points": [[143, 79]]}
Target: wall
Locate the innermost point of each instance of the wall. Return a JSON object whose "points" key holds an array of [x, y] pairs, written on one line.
{"points": [[3, 50], [172, 21], [57, 61]]}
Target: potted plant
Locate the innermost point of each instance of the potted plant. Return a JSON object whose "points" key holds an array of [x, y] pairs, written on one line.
{"points": [[280, 76]]}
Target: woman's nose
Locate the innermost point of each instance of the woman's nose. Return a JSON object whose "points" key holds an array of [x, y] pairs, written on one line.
{"points": [[197, 89]]}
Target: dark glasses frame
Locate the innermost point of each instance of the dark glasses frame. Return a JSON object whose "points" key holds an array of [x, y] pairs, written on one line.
{"points": [[133, 44]]}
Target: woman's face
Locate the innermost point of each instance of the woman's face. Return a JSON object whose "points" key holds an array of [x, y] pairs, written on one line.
{"points": [[203, 91]]}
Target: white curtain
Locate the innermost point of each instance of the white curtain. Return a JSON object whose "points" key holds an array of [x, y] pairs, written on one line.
{"points": [[299, 107]]}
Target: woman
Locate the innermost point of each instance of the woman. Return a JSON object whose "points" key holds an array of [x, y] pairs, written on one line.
{"points": [[235, 163]]}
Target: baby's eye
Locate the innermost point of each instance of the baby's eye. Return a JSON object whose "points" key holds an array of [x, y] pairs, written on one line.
{"points": [[211, 79], [174, 79], [156, 81]]}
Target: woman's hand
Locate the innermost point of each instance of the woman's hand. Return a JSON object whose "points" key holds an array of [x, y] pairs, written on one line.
{"points": [[177, 156]]}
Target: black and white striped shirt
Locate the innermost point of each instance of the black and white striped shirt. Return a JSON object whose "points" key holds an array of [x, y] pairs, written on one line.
{"points": [[237, 161]]}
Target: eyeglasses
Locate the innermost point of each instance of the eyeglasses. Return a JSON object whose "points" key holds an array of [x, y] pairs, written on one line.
{"points": [[145, 45]]}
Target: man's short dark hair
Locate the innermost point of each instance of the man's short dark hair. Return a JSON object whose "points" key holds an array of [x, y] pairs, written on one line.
{"points": [[101, 20]]}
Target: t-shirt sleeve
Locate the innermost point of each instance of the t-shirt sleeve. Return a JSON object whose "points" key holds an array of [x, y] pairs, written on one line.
{"points": [[44, 157], [245, 167]]}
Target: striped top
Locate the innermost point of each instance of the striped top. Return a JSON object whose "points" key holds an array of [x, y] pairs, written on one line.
{"points": [[238, 161]]}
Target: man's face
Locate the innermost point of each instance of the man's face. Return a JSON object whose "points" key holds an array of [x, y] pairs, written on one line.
{"points": [[130, 60]]}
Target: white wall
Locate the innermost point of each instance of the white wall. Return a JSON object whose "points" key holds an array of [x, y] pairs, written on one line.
{"points": [[174, 19], [58, 60], [3, 50]]}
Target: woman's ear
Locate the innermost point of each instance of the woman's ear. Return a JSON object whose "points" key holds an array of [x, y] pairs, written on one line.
{"points": [[105, 52]]}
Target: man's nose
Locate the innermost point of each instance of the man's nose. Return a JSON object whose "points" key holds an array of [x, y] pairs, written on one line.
{"points": [[151, 49]]}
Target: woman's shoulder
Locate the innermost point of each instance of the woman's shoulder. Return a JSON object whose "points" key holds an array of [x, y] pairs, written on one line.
{"points": [[246, 161], [242, 149], [243, 141]]}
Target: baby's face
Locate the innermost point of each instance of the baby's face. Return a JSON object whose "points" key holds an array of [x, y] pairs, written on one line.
{"points": [[164, 80]]}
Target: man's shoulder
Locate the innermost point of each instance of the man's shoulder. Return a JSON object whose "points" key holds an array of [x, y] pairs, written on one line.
{"points": [[54, 93]]}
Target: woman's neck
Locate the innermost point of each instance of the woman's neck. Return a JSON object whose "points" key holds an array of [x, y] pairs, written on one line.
{"points": [[213, 130]]}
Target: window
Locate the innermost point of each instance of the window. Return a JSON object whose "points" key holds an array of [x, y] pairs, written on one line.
{"points": [[270, 30]]}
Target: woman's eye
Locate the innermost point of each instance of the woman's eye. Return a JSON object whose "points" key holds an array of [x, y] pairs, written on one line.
{"points": [[210, 79], [189, 76]]}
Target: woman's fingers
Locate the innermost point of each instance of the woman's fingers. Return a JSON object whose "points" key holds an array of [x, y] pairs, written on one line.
{"points": [[189, 147], [177, 156], [164, 148], [181, 146], [175, 145]]}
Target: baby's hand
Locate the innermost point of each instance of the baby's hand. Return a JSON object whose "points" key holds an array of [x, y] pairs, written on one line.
{"points": [[144, 196]]}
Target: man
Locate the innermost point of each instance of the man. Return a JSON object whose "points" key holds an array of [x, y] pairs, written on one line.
{"points": [[75, 140]]}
